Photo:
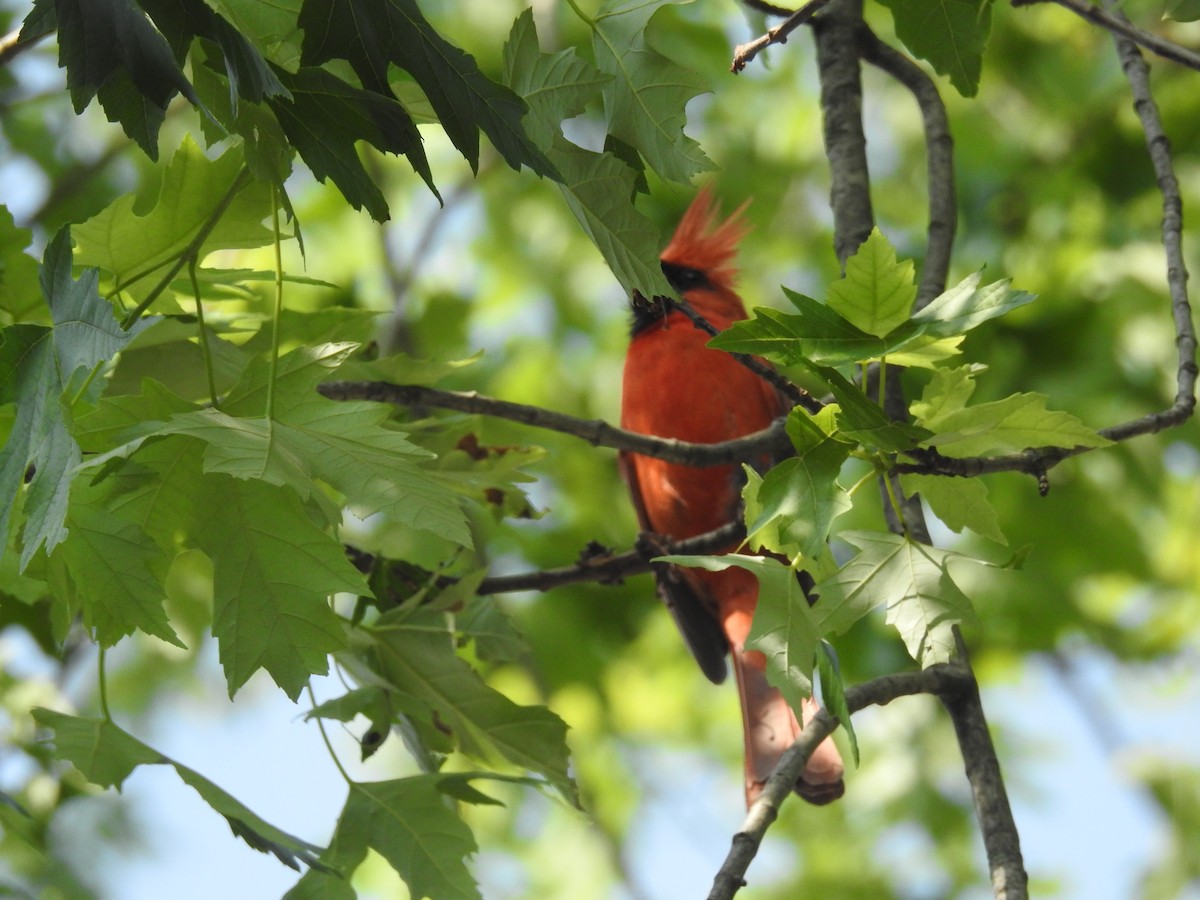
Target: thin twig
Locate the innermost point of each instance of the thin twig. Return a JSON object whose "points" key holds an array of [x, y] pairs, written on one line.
{"points": [[792, 391], [11, 45], [613, 569], [744, 53], [771, 440], [1122, 27], [1159, 149], [943, 680], [1038, 461]]}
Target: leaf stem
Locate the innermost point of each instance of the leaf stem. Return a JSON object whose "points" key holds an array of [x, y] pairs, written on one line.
{"points": [[579, 12], [870, 475], [204, 348], [87, 381], [886, 478], [103, 683], [192, 250], [270, 413], [325, 737]]}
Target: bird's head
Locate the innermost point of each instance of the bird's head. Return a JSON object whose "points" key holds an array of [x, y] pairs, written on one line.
{"points": [[698, 262]]}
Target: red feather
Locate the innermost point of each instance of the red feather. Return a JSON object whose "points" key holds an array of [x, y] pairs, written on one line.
{"points": [[676, 387]]}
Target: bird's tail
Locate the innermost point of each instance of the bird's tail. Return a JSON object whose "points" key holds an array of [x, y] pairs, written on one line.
{"points": [[771, 727]]}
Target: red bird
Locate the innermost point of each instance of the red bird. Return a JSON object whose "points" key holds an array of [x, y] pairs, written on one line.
{"points": [[676, 387]]}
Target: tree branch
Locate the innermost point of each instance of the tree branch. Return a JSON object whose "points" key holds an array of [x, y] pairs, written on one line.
{"points": [[841, 112], [839, 35], [1037, 461], [11, 45], [609, 569], [947, 680], [744, 53], [772, 440], [943, 200], [1159, 149], [793, 392], [1121, 27]]}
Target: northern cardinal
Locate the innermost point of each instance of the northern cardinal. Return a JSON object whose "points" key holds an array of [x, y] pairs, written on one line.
{"points": [[676, 387]]}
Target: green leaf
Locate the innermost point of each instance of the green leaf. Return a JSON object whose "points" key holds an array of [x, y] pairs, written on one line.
{"points": [[816, 333], [344, 444], [419, 659], [110, 48], [104, 753], [959, 502], [1014, 423], [272, 27], [967, 305], [324, 119], [1183, 10], [273, 570], [784, 627], [107, 755], [833, 693], [273, 566], [951, 34], [245, 448], [408, 822], [137, 235], [37, 366], [496, 637], [266, 148], [554, 86], [110, 566], [876, 294], [795, 504], [644, 103], [598, 187], [19, 295], [910, 580], [127, 417], [372, 33], [863, 420]]}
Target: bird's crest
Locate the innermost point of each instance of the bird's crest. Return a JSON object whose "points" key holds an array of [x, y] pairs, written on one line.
{"points": [[700, 243]]}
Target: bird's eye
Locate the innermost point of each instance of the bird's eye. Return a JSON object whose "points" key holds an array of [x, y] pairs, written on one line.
{"points": [[683, 278]]}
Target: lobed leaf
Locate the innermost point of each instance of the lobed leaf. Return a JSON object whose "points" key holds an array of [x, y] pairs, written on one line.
{"points": [[598, 187], [418, 659], [38, 365], [137, 235], [877, 292], [370, 34], [909, 580], [950, 34], [645, 101], [107, 756], [1014, 423]]}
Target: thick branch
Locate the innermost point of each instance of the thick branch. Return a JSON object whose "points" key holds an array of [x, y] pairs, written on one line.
{"points": [[950, 680], [1122, 28], [943, 201], [839, 34], [841, 112], [772, 440]]}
